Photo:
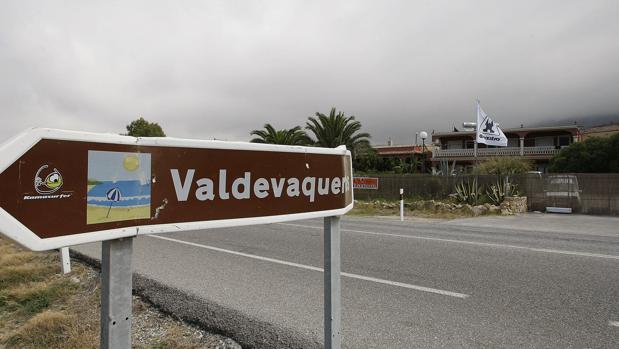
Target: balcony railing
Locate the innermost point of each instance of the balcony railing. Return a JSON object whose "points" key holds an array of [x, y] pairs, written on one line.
{"points": [[490, 152]]}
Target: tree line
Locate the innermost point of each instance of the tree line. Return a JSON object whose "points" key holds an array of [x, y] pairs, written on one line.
{"points": [[327, 131], [593, 155]]}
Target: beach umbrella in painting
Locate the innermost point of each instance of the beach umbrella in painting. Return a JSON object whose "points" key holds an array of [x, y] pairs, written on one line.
{"points": [[113, 195]]}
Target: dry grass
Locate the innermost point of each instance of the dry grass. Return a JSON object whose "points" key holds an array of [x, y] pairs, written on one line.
{"points": [[14, 275], [9, 257], [392, 208], [44, 330], [34, 297], [381, 208], [40, 308]]}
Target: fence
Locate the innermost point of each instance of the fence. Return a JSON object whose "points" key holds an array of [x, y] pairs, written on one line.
{"points": [[588, 193]]}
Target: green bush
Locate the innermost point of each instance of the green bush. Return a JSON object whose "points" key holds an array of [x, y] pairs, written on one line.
{"points": [[143, 128], [594, 155], [504, 166]]}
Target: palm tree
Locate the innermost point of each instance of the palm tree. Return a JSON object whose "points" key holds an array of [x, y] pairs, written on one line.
{"points": [[337, 129], [293, 136]]}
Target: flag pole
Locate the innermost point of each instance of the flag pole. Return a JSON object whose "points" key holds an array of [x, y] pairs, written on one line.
{"points": [[476, 130]]}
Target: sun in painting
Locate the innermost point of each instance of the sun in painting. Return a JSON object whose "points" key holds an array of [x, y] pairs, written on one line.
{"points": [[131, 163]]}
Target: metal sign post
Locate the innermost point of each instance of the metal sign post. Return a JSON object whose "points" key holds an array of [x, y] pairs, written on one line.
{"points": [[333, 289], [116, 283]]}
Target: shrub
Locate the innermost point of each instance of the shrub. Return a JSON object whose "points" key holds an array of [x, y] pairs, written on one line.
{"points": [[594, 155], [504, 166], [143, 128]]}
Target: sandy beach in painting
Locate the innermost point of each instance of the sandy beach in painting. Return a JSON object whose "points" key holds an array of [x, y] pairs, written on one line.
{"points": [[118, 186], [99, 214]]}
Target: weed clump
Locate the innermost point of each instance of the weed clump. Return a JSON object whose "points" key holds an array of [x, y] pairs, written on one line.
{"points": [[44, 330], [33, 298]]}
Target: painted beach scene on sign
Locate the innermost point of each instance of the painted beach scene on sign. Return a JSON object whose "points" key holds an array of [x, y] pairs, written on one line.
{"points": [[118, 186]]}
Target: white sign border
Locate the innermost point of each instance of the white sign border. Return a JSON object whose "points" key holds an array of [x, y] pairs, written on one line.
{"points": [[14, 148]]}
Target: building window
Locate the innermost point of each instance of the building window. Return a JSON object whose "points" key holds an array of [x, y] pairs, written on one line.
{"points": [[454, 144], [545, 141], [469, 144], [564, 141]]}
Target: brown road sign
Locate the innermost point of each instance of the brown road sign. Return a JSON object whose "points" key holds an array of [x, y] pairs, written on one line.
{"points": [[62, 188]]}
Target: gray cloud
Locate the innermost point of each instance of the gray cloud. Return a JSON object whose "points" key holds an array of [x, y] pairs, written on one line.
{"points": [[220, 69]]}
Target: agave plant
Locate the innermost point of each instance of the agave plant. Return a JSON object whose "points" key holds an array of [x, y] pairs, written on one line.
{"points": [[468, 192], [445, 169], [498, 191]]}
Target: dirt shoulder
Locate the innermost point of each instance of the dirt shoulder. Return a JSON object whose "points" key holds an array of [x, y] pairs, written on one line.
{"points": [[42, 308]]}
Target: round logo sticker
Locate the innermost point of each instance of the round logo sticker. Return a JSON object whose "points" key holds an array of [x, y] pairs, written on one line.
{"points": [[47, 181]]}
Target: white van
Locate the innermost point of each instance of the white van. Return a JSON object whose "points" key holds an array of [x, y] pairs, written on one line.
{"points": [[562, 192]]}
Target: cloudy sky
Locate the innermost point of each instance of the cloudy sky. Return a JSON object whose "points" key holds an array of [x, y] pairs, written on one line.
{"points": [[218, 69]]}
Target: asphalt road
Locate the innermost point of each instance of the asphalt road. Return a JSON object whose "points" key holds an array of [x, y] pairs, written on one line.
{"points": [[535, 281]]}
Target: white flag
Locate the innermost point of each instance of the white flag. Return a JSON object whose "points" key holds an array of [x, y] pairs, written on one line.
{"points": [[488, 132]]}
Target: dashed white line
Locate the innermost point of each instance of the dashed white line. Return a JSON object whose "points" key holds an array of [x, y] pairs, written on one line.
{"points": [[487, 244], [309, 267]]}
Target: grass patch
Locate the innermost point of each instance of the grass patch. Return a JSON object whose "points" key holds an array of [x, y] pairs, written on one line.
{"points": [[19, 267], [9, 257], [44, 330], [417, 208], [385, 208], [40, 308], [16, 275], [36, 308], [33, 298], [363, 208]]}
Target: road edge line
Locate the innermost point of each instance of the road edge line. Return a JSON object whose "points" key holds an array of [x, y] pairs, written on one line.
{"points": [[312, 268]]}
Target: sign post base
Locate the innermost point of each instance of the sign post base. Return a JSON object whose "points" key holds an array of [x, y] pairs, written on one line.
{"points": [[332, 266], [116, 285]]}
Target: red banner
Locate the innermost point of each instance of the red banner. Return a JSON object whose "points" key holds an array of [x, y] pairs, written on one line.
{"points": [[365, 183]]}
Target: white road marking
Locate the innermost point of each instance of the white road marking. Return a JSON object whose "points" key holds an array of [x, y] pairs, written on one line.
{"points": [[412, 287], [614, 323], [309, 267], [487, 244]]}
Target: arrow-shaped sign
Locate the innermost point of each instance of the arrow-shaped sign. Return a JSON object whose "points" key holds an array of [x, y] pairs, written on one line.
{"points": [[56, 186]]}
